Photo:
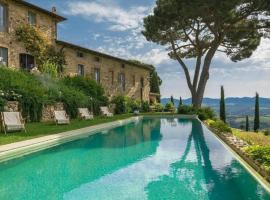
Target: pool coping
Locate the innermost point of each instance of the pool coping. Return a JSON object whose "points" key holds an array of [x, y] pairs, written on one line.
{"points": [[18, 149], [241, 159]]}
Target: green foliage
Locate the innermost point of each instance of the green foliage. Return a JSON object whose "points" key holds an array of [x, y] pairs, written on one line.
{"points": [[169, 107], [260, 154], [247, 123], [257, 114], [159, 107], [2, 104], [34, 91], [120, 105], [50, 68], [26, 89], [145, 106], [172, 100], [38, 45], [266, 132], [124, 105], [73, 99], [180, 102], [155, 82], [222, 111], [90, 88], [220, 127], [203, 113], [199, 28]]}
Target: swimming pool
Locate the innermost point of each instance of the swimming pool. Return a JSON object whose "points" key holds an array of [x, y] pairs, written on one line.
{"points": [[154, 158]]}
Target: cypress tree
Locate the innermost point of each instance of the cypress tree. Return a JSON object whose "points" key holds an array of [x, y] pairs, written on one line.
{"points": [[172, 100], [222, 111], [257, 114], [180, 101], [247, 123]]}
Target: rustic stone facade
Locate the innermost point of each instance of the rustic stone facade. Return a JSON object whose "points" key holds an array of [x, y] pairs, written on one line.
{"points": [[110, 70], [47, 111], [12, 106], [17, 14], [136, 83]]}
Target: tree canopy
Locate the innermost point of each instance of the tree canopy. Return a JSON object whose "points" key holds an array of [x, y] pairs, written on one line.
{"points": [[200, 28]]}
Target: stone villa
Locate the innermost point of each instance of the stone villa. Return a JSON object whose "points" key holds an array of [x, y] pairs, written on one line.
{"points": [[116, 75]]}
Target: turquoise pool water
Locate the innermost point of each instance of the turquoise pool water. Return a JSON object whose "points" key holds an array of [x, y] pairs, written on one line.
{"points": [[150, 159]]}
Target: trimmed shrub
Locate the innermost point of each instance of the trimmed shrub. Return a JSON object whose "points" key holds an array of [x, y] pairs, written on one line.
{"points": [[133, 104], [169, 107], [90, 88], [159, 107], [203, 113], [125, 104], [186, 110], [145, 106], [220, 127], [121, 106]]}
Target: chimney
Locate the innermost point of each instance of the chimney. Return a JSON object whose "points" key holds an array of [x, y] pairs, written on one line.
{"points": [[54, 10]]}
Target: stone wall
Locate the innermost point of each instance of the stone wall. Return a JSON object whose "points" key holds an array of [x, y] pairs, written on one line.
{"points": [[17, 15], [109, 72], [12, 106], [47, 111]]}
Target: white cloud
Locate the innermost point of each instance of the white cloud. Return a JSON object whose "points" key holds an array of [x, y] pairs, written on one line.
{"points": [[119, 18]]}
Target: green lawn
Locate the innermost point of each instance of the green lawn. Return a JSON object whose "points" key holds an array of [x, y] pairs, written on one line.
{"points": [[252, 138], [42, 129]]}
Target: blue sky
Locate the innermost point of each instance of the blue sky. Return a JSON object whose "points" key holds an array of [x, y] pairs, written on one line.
{"points": [[114, 26]]}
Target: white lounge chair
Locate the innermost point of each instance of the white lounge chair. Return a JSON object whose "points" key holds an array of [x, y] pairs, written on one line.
{"points": [[85, 114], [12, 121], [61, 117], [105, 111]]}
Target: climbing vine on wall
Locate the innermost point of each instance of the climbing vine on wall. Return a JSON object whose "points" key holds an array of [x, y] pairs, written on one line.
{"points": [[48, 58]]}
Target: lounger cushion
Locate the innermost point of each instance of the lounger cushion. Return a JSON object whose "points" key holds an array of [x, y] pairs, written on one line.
{"points": [[12, 121], [61, 117], [105, 111], [84, 112]]}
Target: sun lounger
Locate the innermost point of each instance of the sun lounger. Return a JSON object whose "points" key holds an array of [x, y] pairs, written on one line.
{"points": [[12, 121], [61, 117], [85, 114], [105, 112]]}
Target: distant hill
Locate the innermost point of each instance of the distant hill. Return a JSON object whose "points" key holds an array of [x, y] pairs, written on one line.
{"points": [[236, 109], [234, 106]]}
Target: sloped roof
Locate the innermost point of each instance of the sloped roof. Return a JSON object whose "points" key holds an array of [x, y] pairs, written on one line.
{"points": [[30, 5], [141, 65]]}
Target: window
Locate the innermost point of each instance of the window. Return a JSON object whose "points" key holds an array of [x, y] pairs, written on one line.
{"points": [[27, 62], [97, 59], [111, 76], [97, 75], [3, 18], [123, 65], [122, 81], [80, 54], [142, 82], [3, 56], [32, 18], [80, 70], [133, 80]]}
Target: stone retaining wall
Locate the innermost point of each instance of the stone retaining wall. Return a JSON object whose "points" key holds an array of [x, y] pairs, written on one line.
{"points": [[11, 106], [47, 111]]}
